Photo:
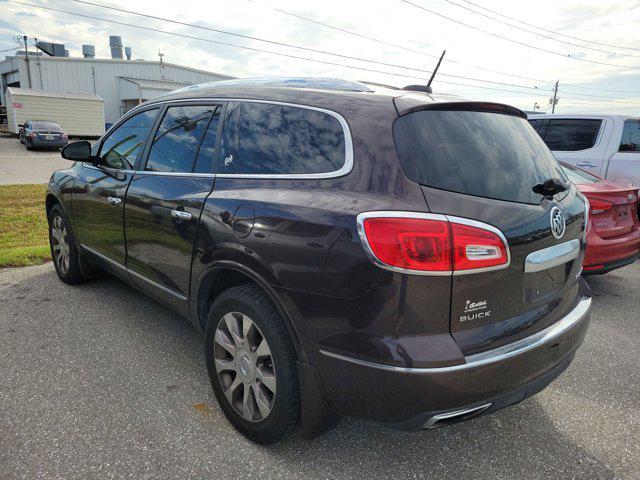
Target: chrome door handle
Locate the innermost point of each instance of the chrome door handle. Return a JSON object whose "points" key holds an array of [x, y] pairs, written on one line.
{"points": [[180, 215], [114, 200], [586, 164]]}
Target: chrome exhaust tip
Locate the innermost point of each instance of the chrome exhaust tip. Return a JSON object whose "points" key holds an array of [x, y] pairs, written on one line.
{"points": [[448, 418]]}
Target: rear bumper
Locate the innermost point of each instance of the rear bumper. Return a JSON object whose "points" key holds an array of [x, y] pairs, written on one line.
{"points": [[611, 251], [601, 268], [486, 381], [37, 143]]}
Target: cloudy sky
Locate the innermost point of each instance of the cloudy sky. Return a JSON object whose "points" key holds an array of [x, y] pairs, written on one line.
{"points": [[591, 46]]}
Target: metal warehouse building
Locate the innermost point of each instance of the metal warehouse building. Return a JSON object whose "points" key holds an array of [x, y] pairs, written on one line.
{"points": [[120, 82]]}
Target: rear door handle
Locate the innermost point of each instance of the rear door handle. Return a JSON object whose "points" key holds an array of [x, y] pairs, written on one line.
{"points": [[114, 200], [180, 215], [586, 164]]}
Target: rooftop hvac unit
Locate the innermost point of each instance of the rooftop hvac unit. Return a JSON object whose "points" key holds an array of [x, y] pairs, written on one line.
{"points": [[51, 49], [115, 43], [88, 51], [127, 52]]}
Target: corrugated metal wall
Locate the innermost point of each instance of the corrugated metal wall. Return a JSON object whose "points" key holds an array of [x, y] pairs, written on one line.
{"points": [[77, 75]]}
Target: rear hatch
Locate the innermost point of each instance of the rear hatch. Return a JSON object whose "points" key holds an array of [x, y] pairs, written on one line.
{"points": [[614, 208], [481, 161]]}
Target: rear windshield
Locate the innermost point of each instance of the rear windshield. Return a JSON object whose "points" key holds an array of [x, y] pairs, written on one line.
{"points": [[484, 154], [577, 176], [48, 126]]}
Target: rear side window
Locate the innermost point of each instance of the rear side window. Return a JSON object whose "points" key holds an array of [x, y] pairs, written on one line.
{"points": [[484, 154], [630, 141], [270, 139], [176, 143], [571, 135]]}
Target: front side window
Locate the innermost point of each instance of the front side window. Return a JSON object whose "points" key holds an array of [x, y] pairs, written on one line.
{"points": [[278, 139], [571, 134], [176, 143], [630, 141], [124, 145]]}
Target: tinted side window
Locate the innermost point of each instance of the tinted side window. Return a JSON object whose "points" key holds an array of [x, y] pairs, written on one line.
{"points": [[206, 154], [123, 146], [536, 124], [630, 141], [178, 138], [570, 135], [279, 139]]}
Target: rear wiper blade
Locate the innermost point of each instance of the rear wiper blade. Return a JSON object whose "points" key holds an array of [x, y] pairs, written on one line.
{"points": [[550, 187]]}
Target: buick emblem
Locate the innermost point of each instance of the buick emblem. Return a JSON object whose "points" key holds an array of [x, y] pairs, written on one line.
{"points": [[557, 222]]}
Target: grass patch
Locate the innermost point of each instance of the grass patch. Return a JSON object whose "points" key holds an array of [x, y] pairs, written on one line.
{"points": [[24, 234]]}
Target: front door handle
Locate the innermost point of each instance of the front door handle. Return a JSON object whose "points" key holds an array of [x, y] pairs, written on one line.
{"points": [[180, 215], [586, 164], [114, 200]]}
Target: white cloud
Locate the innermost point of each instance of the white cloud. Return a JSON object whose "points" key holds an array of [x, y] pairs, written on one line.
{"points": [[614, 22]]}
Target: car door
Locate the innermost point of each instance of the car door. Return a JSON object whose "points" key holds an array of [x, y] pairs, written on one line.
{"points": [[98, 199], [624, 165], [578, 141], [165, 199]]}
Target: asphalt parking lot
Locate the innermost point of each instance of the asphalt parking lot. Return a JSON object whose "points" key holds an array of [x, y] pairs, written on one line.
{"points": [[17, 165], [98, 381]]}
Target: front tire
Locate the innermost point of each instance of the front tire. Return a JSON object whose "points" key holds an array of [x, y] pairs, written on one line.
{"points": [[252, 365], [63, 247]]}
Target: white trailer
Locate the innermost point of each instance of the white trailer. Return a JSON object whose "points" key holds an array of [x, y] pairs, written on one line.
{"points": [[79, 114]]}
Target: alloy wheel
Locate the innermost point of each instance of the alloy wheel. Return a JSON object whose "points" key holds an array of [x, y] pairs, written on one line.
{"points": [[60, 244], [244, 366]]}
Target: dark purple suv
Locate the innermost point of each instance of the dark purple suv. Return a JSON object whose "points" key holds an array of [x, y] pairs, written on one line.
{"points": [[392, 255]]}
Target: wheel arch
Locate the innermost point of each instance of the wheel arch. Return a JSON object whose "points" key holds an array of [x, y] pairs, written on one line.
{"points": [[227, 274]]}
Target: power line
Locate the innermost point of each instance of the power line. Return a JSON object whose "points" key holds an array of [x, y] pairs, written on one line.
{"points": [[283, 44], [552, 52], [539, 34], [192, 37], [550, 31], [393, 45]]}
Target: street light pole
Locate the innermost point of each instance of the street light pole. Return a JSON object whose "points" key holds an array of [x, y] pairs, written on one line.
{"points": [[26, 58]]}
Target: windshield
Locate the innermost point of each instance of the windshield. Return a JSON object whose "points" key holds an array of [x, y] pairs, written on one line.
{"points": [[46, 126], [577, 176], [490, 155]]}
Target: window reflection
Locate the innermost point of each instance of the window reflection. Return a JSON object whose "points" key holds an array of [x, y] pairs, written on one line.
{"points": [[278, 139], [176, 142], [121, 149]]}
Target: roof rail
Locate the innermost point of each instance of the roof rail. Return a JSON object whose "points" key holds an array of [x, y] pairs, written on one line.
{"points": [[319, 83]]}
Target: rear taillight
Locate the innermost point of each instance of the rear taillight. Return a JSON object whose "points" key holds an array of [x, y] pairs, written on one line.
{"points": [[431, 243], [599, 207]]}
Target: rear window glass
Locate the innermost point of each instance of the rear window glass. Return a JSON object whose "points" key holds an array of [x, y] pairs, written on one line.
{"points": [[577, 176], [262, 138], [477, 153], [48, 126], [630, 141], [571, 135]]}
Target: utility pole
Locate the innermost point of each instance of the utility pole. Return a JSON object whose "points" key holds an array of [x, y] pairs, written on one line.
{"points": [[554, 101], [26, 58]]}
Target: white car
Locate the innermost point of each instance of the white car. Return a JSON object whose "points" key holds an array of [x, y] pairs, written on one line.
{"points": [[605, 145]]}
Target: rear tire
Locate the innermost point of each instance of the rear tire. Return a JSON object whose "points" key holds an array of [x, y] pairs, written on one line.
{"points": [[63, 247], [252, 365]]}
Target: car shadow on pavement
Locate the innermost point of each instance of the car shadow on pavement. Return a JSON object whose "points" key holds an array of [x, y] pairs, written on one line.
{"points": [[128, 372]]}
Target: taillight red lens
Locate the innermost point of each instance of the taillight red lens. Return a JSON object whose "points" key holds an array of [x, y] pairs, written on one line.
{"points": [[433, 245], [475, 247], [411, 243], [599, 207]]}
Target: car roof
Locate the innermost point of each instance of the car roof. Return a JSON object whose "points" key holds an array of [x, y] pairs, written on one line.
{"points": [[330, 93]]}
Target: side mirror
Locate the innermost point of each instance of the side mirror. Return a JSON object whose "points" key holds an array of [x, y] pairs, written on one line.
{"points": [[77, 151]]}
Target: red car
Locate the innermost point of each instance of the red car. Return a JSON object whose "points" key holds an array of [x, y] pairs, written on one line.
{"points": [[613, 233]]}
